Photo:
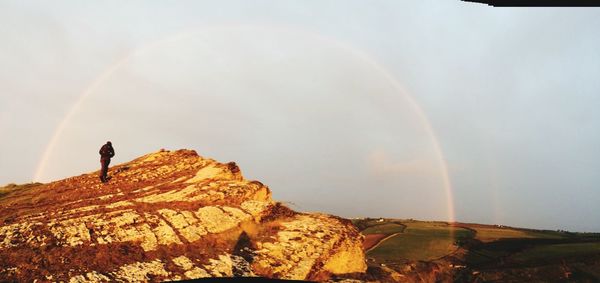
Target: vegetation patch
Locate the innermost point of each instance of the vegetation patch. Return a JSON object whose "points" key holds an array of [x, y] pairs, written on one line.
{"points": [[387, 229], [420, 241], [493, 234], [467, 252]]}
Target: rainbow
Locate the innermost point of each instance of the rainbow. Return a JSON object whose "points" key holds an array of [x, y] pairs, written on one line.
{"points": [[426, 124]]}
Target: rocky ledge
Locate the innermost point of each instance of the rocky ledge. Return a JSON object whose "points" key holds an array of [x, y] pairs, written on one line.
{"points": [[169, 215]]}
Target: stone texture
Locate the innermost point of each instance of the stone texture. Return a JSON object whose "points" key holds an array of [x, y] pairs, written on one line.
{"points": [[169, 215]]}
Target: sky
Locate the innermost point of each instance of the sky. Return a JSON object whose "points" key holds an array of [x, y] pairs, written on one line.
{"points": [[433, 110]]}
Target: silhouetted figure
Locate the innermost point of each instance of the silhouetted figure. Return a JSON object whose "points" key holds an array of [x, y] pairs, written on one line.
{"points": [[106, 153]]}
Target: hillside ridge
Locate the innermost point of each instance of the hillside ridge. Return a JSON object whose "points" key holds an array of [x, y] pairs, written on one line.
{"points": [[168, 215]]}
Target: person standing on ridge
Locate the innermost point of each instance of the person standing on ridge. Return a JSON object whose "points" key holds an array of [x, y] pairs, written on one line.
{"points": [[106, 153]]}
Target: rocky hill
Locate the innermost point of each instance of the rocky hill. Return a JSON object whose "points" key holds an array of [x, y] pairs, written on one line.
{"points": [[169, 215]]}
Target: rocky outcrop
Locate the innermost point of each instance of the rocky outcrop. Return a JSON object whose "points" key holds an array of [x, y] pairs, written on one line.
{"points": [[169, 215]]}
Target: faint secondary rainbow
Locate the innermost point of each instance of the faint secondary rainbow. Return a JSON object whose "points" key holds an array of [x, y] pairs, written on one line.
{"points": [[443, 166]]}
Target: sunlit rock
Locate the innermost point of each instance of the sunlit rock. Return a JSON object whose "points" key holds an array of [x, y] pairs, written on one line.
{"points": [[169, 215]]}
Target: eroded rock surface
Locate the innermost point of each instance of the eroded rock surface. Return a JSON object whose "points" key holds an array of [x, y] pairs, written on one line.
{"points": [[169, 215]]}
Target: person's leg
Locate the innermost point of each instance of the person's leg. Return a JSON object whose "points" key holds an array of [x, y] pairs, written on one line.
{"points": [[104, 170], [106, 173], [101, 171]]}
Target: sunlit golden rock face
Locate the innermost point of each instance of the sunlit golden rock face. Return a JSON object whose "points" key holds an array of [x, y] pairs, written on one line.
{"points": [[169, 215]]}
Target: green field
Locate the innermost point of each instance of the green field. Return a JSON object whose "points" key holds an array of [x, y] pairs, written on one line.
{"points": [[420, 241], [546, 234], [469, 252], [491, 234], [389, 228]]}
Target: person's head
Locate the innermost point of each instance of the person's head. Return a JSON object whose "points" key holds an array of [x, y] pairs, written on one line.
{"points": [[108, 143]]}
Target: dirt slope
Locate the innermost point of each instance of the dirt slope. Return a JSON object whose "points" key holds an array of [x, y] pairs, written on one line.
{"points": [[168, 215]]}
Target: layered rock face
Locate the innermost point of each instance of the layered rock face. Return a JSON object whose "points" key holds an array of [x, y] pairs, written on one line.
{"points": [[169, 215]]}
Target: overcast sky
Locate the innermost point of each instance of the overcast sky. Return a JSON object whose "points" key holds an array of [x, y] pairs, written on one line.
{"points": [[329, 103]]}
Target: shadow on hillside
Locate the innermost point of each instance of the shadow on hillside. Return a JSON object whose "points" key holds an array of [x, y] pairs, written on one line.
{"points": [[536, 259]]}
